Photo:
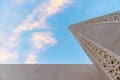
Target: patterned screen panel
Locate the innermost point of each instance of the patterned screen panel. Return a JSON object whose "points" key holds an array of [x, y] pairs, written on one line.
{"points": [[106, 60], [110, 18]]}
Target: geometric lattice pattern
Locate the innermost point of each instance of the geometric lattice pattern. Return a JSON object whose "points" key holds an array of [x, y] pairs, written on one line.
{"points": [[109, 62], [110, 18]]}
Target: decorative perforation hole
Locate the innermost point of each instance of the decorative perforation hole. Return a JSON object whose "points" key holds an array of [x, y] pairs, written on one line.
{"points": [[117, 77]]}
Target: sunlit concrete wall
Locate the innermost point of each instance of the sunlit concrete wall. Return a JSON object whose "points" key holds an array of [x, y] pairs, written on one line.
{"points": [[49, 72]]}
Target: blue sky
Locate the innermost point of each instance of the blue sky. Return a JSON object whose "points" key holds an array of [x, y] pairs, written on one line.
{"points": [[36, 31]]}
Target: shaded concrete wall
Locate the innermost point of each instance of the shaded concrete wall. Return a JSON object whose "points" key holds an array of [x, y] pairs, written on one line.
{"points": [[49, 72]]}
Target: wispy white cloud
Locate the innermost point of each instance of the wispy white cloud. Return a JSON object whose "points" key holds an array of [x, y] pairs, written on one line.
{"points": [[31, 59], [7, 57], [18, 2], [37, 19], [2, 38], [41, 13], [41, 40]]}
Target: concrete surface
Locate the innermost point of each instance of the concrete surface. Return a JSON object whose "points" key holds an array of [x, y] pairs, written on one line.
{"points": [[106, 34], [106, 38], [49, 72], [100, 39]]}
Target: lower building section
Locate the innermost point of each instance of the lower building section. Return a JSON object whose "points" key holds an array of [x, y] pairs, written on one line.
{"points": [[49, 72]]}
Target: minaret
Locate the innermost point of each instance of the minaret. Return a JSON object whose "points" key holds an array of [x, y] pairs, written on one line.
{"points": [[100, 38]]}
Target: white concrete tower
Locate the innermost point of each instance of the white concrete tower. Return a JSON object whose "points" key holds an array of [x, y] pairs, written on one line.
{"points": [[100, 38]]}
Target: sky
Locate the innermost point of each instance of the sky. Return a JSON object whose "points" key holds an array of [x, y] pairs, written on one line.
{"points": [[36, 31]]}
